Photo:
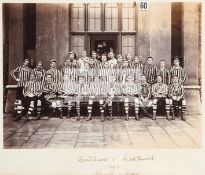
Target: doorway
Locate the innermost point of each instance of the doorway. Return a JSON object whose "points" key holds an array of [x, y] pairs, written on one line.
{"points": [[102, 43]]}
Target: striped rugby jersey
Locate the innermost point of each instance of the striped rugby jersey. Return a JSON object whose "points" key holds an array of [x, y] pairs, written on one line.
{"points": [[56, 75], [145, 90], [95, 88], [40, 74], [112, 62], [165, 74], [115, 88], [138, 71], [23, 74], [176, 90], [131, 89], [49, 89], [69, 87], [159, 90], [32, 88], [82, 89], [124, 72], [150, 71], [179, 72]]}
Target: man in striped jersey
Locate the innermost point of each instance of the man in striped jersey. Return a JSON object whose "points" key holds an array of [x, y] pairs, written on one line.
{"points": [[118, 66], [138, 68], [70, 58], [68, 91], [178, 71], [176, 93], [129, 59], [103, 60], [32, 92], [21, 74], [93, 61], [105, 72], [39, 72], [150, 71], [98, 91], [83, 92], [114, 89], [112, 61], [83, 59], [55, 73], [144, 99], [160, 92], [125, 71], [50, 92], [74, 70], [131, 91], [165, 74]]}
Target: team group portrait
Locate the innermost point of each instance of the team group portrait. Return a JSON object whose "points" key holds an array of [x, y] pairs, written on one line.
{"points": [[102, 75]]}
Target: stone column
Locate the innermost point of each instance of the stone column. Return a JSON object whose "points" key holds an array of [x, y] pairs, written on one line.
{"points": [[52, 33], [15, 37], [191, 41], [191, 31], [160, 32]]}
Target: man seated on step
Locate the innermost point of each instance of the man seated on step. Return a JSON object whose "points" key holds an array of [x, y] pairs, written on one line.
{"points": [[160, 92], [50, 94], [98, 90], [31, 95], [83, 92], [68, 92], [177, 101], [144, 101], [131, 90], [114, 90]]}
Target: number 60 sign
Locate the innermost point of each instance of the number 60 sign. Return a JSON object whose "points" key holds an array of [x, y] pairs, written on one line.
{"points": [[143, 5]]}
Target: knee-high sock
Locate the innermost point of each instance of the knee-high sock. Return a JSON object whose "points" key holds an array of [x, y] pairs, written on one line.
{"points": [[31, 107], [126, 104], [69, 107], [18, 106], [110, 108], [39, 106], [167, 106], [183, 106], [154, 105], [78, 108], [137, 106], [90, 103], [101, 107]]}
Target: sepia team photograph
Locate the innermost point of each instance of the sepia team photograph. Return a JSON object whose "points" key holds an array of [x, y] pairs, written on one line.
{"points": [[102, 75]]}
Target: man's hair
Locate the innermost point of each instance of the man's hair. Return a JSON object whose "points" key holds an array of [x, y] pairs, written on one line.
{"points": [[150, 57], [176, 58]]}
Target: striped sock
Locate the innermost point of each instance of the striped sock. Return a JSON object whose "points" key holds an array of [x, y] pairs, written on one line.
{"points": [[78, 108], [137, 109], [38, 107], [183, 108], [69, 107], [126, 107], [89, 109]]}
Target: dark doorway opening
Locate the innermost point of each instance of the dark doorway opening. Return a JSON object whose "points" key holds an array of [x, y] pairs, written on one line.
{"points": [[103, 43], [104, 46]]}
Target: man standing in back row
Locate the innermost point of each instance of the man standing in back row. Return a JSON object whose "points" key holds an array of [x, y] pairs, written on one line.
{"points": [[21, 74]]}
